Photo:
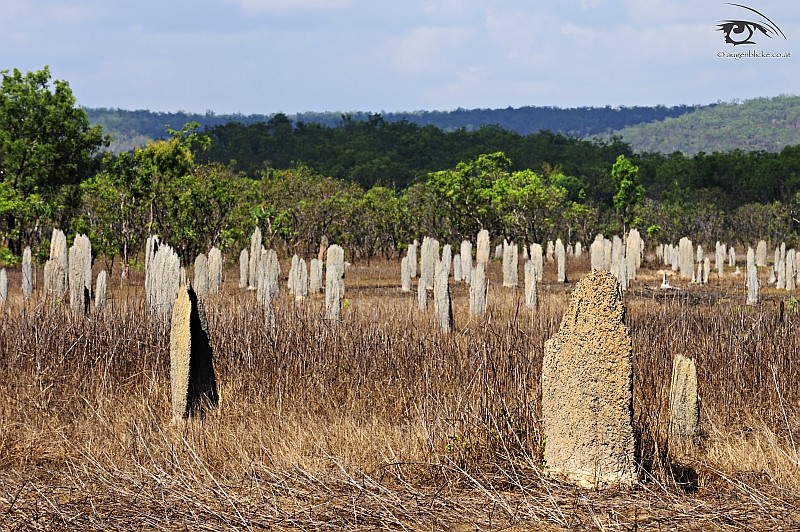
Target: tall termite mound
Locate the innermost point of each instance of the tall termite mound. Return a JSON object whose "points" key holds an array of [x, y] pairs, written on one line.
{"points": [[194, 386], [587, 389]]}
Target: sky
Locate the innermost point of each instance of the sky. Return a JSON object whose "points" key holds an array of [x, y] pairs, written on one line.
{"points": [[268, 56]]}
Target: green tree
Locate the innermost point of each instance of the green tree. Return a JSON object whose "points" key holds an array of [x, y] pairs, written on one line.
{"points": [[485, 193], [160, 189], [47, 147], [424, 213], [165, 171], [629, 189], [380, 221], [754, 221], [579, 222], [525, 205], [114, 208], [466, 193], [297, 207]]}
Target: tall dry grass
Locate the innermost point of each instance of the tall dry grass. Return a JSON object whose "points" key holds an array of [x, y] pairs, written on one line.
{"points": [[382, 421]]}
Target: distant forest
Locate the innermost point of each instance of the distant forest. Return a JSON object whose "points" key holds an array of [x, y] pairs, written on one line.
{"points": [[768, 124], [397, 155], [703, 192], [371, 149], [581, 122], [130, 129]]}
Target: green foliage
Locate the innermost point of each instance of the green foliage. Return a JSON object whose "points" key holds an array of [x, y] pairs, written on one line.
{"points": [[132, 129], [45, 140], [467, 191], [755, 221], [484, 193], [47, 149], [578, 221], [370, 182], [160, 189], [653, 232], [381, 221], [299, 206], [7, 258], [425, 215], [399, 154], [114, 209], [629, 189]]}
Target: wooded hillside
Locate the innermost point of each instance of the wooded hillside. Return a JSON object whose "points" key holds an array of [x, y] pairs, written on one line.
{"points": [[768, 124]]}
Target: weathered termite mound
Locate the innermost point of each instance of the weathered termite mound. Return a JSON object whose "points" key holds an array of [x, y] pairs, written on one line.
{"points": [[587, 392], [194, 386], [684, 404]]}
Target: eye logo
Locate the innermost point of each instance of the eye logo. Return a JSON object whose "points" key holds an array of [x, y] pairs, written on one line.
{"points": [[742, 31]]}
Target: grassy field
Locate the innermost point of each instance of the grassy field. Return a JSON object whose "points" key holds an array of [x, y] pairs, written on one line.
{"points": [[381, 421]]}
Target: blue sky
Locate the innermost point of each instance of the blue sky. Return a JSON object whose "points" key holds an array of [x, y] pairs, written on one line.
{"points": [[266, 56]]}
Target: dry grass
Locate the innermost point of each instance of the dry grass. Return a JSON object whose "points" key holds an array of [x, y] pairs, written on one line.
{"points": [[381, 421]]}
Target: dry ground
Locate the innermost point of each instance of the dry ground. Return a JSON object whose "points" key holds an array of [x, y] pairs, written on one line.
{"points": [[381, 421]]}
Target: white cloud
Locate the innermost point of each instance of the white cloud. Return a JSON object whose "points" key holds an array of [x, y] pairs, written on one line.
{"points": [[267, 55], [449, 8], [659, 44], [285, 6], [14, 8], [69, 13], [427, 49], [514, 24], [581, 34], [519, 37], [662, 11]]}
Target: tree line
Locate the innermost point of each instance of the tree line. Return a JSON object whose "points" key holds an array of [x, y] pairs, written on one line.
{"points": [[397, 154], [130, 129], [372, 186]]}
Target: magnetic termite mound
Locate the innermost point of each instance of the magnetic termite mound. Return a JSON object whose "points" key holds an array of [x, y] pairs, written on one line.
{"points": [[215, 268], [684, 403], [194, 386], [478, 290], [101, 286], [587, 389], [441, 296], [3, 286], [27, 274]]}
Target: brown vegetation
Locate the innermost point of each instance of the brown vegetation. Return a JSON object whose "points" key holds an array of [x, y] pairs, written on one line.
{"points": [[382, 421]]}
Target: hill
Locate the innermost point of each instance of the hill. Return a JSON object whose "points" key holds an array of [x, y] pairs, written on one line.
{"points": [[129, 129], [767, 124], [581, 122]]}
